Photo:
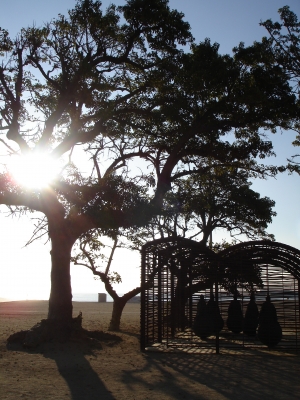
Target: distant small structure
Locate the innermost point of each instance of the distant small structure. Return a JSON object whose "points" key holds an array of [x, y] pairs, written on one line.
{"points": [[101, 297], [135, 299]]}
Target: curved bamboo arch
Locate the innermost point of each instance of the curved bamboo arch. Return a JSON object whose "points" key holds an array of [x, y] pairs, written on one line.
{"points": [[266, 252], [254, 252]]}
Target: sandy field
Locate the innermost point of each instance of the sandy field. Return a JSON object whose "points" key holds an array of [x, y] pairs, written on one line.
{"points": [[111, 366]]}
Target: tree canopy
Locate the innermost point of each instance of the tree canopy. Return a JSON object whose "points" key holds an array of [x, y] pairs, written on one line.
{"points": [[285, 44], [200, 204], [281, 48]]}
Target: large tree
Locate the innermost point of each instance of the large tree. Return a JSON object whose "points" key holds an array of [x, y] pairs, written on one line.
{"points": [[65, 85], [116, 84]]}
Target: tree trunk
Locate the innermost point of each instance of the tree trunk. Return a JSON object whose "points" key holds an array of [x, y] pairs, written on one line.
{"points": [[118, 306], [60, 301], [59, 325]]}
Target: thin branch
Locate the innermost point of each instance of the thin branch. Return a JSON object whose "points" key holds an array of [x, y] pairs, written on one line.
{"points": [[115, 245], [8, 146]]}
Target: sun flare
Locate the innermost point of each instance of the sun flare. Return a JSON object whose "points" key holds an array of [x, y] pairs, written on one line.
{"points": [[34, 171]]}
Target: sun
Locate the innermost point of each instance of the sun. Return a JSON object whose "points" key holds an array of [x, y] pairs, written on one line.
{"points": [[34, 171]]}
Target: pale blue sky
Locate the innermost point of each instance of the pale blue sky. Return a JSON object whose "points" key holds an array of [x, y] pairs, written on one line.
{"points": [[227, 22]]}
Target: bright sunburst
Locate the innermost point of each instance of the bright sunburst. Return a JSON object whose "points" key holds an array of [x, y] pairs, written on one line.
{"points": [[35, 171]]}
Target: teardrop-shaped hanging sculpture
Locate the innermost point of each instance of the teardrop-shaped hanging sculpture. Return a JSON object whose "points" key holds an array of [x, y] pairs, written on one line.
{"points": [[269, 329], [251, 317], [235, 316], [215, 320], [201, 326]]}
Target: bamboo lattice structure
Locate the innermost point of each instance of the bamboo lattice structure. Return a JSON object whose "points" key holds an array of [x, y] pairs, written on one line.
{"points": [[185, 271]]}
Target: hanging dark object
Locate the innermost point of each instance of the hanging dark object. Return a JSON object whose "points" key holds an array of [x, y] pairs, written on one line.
{"points": [[269, 329], [201, 325], [251, 317], [215, 320], [235, 316]]}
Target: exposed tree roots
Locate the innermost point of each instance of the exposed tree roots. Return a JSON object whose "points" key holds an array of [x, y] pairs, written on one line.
{"points": [[47, 330]]}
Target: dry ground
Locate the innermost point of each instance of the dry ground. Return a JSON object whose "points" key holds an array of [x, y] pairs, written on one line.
{"points": [[114, 368]]}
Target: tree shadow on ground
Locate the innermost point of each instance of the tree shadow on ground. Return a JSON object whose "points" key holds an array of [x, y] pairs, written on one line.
{"points": [[130, 333], [72, 360], [200, 376]]}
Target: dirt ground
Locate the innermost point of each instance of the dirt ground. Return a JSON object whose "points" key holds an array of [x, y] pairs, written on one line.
{"points": [[115, 368]]}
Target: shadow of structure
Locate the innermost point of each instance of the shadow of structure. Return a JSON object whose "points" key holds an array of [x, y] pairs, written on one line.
{"points": [[72, 362], [251, 376]]}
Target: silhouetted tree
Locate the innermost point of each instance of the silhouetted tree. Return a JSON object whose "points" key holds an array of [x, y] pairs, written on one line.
{"points": [[116, 84], [70, 83], [88, 254], [221, 199]]}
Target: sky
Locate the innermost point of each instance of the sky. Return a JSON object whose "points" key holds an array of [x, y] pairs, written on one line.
{"points": [[25, 271]]}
